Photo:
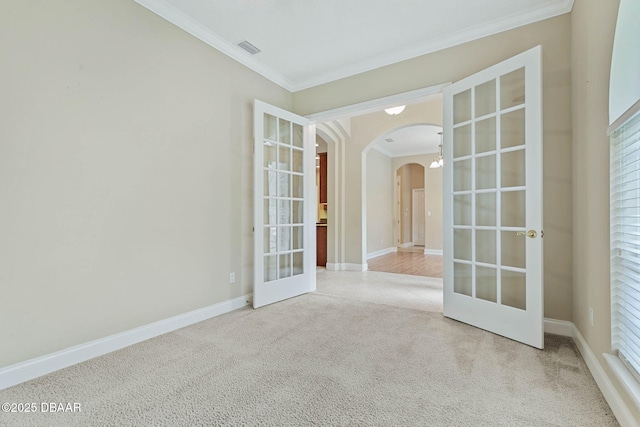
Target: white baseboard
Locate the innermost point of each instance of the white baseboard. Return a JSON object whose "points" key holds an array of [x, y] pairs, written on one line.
{"points": [[34, 368], [558, 327], [382, 252], [347, 267], [616, 402], [433, 251], [406, 245], [333, 266], [620, 409], [628, 381], [356, 267]]}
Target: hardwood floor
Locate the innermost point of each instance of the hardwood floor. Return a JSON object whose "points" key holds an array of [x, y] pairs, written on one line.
{"points": [[408, 262]]}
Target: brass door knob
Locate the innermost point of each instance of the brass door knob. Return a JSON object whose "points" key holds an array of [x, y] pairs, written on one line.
{"points": [[530, 233]]}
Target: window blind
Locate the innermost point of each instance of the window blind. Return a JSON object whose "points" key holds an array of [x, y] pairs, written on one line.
{"points": [[625, 242]]}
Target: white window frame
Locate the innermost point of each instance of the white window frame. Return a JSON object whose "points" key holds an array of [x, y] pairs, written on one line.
{"points": [[622, 306]]}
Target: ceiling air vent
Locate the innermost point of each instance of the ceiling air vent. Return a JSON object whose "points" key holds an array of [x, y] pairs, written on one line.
{"points": [[249, 47]]}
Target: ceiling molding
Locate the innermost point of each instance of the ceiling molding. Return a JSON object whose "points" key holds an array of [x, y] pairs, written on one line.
{"points": [[179, 19], [469, 34]]}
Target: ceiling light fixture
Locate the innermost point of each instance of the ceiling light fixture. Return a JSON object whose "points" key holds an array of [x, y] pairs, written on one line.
{"points": [[394, 111], [438, 162]]}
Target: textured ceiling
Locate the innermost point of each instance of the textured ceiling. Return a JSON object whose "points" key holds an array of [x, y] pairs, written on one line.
{"points": [[309, 42], [409, 140]]}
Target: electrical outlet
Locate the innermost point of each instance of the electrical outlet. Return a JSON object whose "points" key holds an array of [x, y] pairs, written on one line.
{"points": [[591, 316], [232, 277]]}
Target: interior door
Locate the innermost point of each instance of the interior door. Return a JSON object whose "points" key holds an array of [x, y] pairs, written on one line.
{"points": [[493, 199], [284, 195]]}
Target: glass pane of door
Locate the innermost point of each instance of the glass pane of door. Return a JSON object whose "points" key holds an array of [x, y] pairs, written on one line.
{"points": [[488, 169], [283, 197]]}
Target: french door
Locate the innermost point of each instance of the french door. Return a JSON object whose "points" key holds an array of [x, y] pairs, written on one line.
{"points": [[284, 202], [493, 271]]}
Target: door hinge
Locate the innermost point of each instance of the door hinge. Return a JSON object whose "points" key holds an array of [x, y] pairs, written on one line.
{"points": [[541, 234], [253, 229]]}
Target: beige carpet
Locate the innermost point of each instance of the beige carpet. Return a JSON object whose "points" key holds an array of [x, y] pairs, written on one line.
{"points": [[324, 360], [401, 290]]}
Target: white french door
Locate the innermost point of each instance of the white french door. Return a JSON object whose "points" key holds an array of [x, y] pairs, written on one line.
{"points": [[284, 202], [493, 271]]}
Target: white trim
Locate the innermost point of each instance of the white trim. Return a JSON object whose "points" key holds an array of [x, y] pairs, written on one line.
{"points": [[406, 245], [378, 104], [179, 19], [356, 267], [346, 267], [382, 252], [433, 251], [558, 327], [625, 117], [34, 368], [626, 378], [617, 404], [611, 395], [332, 266]]}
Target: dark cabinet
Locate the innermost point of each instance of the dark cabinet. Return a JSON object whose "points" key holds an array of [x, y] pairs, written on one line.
{"points": [[323, 177], [321, 245]]}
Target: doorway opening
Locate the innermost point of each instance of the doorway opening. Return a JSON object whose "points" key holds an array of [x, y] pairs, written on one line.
{"points": [[391, 230]]}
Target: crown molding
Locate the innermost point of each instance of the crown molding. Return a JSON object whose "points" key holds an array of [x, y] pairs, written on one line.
{"points": [[468, 34], [179, 19]]}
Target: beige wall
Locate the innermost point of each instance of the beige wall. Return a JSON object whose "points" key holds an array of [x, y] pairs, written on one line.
{"points": [[125, 172], [380, 183], [460, 61], [590, 96]]}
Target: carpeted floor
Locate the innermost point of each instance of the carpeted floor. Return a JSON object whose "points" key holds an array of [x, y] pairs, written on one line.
{"points": [[324, 360]]}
